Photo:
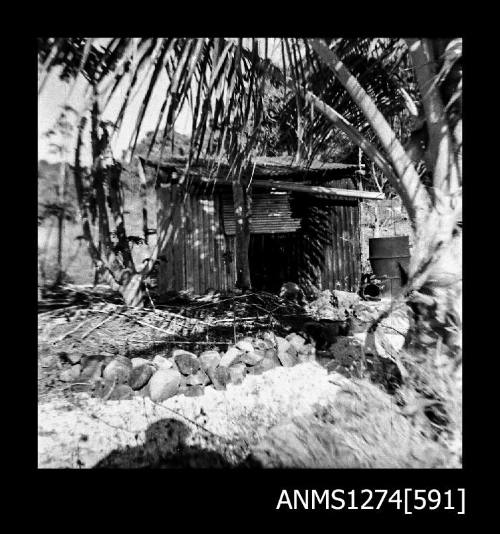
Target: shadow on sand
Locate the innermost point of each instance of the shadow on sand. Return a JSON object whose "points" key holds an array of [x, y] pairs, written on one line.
{"points": [[165, 448]]}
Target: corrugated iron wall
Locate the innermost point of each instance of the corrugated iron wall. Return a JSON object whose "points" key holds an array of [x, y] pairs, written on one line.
{"points": [[342, 266], [194, 253], [197, 254]]}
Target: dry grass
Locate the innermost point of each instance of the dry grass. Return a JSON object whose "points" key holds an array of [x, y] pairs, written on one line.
{"points": [[363, 427]]}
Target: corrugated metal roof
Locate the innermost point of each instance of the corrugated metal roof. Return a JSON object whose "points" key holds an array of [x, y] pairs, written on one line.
{"points": [[260, 167]]}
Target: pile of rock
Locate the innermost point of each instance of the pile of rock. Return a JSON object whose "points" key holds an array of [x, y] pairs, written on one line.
{"points": [[333, 305], [183, 372]]}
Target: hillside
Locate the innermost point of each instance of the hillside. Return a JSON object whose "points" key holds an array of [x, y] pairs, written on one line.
{"points": [[76, 262]]}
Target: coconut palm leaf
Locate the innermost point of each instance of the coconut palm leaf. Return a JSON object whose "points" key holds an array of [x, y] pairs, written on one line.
{"points": [[224, 80]]}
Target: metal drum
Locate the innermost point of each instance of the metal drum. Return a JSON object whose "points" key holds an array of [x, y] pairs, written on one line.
{"points": [[385, 255]]}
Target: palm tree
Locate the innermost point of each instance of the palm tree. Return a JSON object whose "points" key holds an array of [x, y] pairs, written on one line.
{"points": [[370, 90]]}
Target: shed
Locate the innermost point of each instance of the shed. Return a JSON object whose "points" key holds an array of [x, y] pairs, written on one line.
{"points": [[304, 225]]}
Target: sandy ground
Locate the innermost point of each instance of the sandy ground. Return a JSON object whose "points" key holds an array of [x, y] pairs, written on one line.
{"points": [[80, 432]]}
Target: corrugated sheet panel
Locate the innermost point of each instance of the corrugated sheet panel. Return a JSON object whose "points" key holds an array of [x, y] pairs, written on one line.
{"points": [[342, 266], [271, 214], [193, 246]]}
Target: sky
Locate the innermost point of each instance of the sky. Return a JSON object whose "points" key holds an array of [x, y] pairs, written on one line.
{"points": [[56, 92]]}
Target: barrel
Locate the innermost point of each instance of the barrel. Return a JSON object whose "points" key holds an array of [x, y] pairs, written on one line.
{"points": [[385, 255]]}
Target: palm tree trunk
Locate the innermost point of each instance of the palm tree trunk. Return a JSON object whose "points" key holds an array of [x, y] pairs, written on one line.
{"points": [[118, 273], [435, 275]]}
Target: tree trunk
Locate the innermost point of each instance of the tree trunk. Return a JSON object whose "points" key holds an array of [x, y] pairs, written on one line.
{"points": [[132, 291], [60, 230], [60, 221], [242, 209], [115, 268]]}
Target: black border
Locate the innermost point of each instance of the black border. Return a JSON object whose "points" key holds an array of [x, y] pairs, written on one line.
{"points": [[247, 493]]}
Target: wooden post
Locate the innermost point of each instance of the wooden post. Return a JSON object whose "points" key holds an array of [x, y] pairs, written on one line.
{"points": [[60, 218], [143, 194], [242, 197]]}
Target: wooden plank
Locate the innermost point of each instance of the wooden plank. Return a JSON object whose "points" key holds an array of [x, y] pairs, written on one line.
{"points": [[188, 243], [205, 245], [165, 231], [338, 247], [177, 262], [218, 246], [215, 246], [342, 245], [334, 266], [351, 248], [356, 259], [196, 246], [213, 279], [357, 227], [317, 190], [346, 236], [144, 198], [201, 251]]}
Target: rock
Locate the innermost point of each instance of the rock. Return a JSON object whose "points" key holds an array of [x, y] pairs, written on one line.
{"points": [[209, 360], [176, 353], [269, 337], [118, 370], [162, 363], [282, 344], [305, 357], [187, 362], [200, 378], [72, 357], [255, 370], [140, 376], [220, 377], [262, 344], [103, 388], [292, 351], [307, 354], [47, 361], [144, 392], [92, 371], [237, 373], [231, 357], [267, 363], [63, 356], [103, 358], [164, 384], [360, 336], [296, 341], [121, 392], [80, 387], [346, 299], [70, 374], [271, 353], [251, 358], [287, 359], [195, 391], [347, 347], [244, 346], [138, 362]]}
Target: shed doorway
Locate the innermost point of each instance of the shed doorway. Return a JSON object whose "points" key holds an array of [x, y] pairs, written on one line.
{"points": [[273, 260]]}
